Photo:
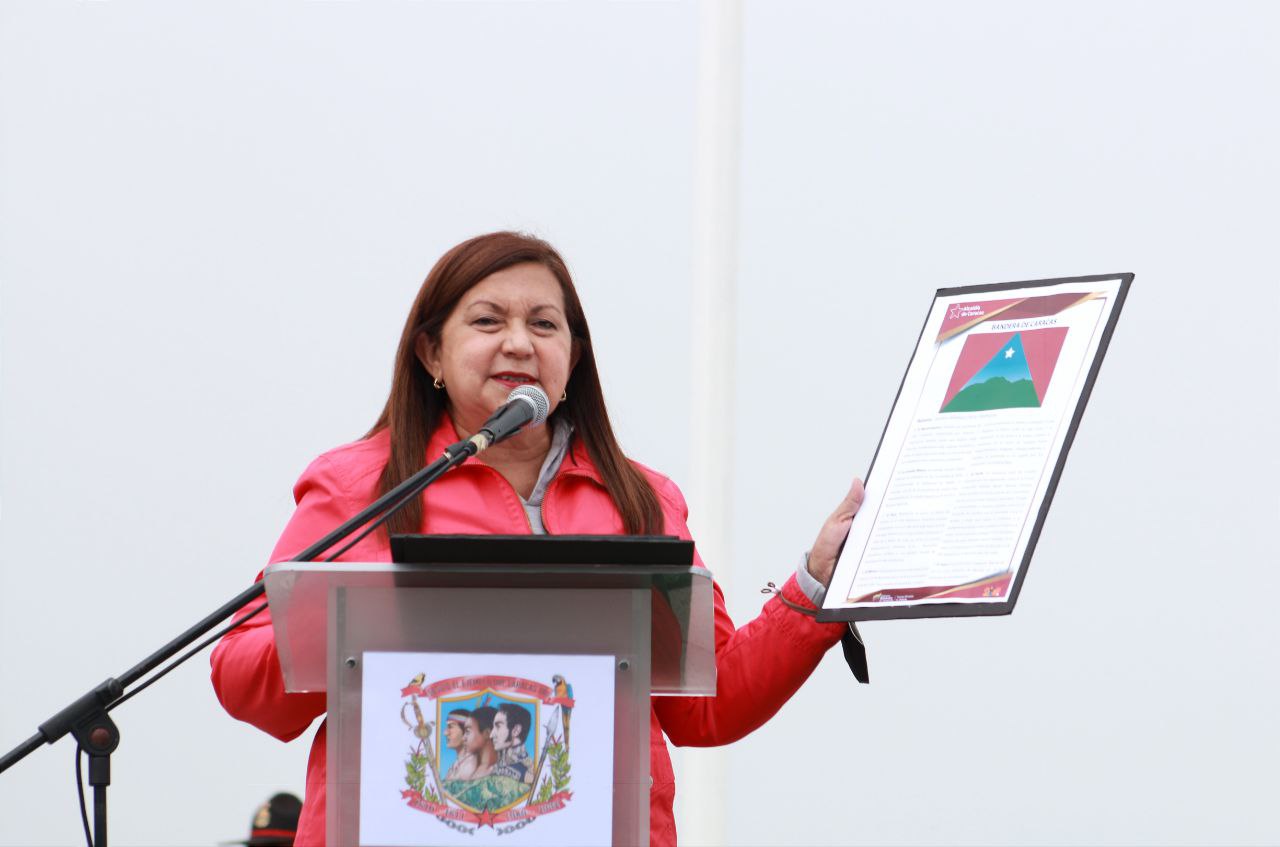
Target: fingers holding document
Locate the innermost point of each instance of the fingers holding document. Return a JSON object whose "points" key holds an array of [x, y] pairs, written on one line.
{"points": [[822, 557]]}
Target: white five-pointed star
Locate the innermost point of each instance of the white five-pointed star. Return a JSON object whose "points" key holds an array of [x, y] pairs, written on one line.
{"points": [[1008, 354]]}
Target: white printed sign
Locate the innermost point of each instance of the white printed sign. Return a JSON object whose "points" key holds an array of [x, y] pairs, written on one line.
{"points": [[480, 749]]}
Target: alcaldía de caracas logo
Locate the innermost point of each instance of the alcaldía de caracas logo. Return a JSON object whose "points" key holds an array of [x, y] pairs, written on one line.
{"points": [[494, 752]]}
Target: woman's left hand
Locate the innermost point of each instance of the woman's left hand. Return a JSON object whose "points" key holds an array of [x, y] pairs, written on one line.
{"points": [[822, 558]]}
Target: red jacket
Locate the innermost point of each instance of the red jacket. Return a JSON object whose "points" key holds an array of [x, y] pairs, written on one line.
{"points": [[759, 666]]}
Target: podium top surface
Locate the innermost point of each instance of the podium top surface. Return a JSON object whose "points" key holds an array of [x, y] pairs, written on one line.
{"points": [[683, 638]]}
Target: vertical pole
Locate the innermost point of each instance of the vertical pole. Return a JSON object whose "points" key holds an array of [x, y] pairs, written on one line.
{"points": [[700, 805], [99, 778]]}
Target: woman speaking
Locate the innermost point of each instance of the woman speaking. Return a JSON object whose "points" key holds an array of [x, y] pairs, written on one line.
{"points": [[496, 312]]}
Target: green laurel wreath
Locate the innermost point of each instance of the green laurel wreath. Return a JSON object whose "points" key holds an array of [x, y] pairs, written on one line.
{"points": [[558, 780], [416, 775]]}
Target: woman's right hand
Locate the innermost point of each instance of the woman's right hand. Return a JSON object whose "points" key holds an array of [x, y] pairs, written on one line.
{"points": [[822, 557]]}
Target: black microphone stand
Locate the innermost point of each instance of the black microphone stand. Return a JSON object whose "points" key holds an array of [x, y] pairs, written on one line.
{"points": [[87, 719]]}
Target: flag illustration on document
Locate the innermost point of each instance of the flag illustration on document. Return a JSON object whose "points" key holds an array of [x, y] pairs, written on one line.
{"points": [[1004, 370]]}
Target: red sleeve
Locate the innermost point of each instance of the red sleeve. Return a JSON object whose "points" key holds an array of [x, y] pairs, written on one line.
{"points": [[758, 666], [246, 667]]}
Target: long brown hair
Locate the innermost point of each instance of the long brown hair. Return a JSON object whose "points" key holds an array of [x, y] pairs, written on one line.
{"points": [[414, 407]]}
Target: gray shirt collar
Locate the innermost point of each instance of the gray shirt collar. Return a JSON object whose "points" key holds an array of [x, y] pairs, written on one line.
{"points": [[561, 432]]}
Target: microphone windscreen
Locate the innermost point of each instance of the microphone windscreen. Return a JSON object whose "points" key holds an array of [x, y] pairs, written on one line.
{"points": [[537, 398]]}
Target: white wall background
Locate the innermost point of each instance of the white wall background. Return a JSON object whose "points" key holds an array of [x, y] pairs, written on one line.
{"points": [[213, 217]]}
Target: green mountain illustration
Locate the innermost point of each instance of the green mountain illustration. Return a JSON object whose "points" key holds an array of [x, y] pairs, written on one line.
{"points": [[995, 393], [492, 792]]}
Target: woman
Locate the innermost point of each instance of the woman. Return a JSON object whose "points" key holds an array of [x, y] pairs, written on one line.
{"points": [[497, 311]]}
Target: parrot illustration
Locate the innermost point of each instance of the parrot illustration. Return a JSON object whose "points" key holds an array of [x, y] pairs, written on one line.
{"points": [[563, 689]]}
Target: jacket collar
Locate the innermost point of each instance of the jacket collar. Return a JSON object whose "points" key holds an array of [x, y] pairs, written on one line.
{"points": [[576, 461]]}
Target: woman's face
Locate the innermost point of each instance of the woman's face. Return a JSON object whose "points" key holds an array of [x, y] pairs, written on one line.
{"points": [[510, 329]]}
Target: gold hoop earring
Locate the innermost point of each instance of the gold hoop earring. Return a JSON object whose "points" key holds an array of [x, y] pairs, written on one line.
{"points": [[438, 383], [564, 395]]}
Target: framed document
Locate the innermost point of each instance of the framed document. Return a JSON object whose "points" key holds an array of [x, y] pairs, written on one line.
{"points": [[961, 481]]}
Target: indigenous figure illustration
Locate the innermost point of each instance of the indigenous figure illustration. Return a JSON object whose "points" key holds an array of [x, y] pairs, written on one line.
{"points": [[455, 728], [499, 764]]}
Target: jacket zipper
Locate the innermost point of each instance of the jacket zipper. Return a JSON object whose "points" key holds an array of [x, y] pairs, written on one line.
{"points": [[512, 489], [542, 507]]}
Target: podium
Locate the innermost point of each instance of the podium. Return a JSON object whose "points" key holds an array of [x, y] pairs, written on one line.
{"points": [[483, 685]]}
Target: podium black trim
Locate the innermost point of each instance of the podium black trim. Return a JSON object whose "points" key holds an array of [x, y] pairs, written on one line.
{"points": [[544, 550]]}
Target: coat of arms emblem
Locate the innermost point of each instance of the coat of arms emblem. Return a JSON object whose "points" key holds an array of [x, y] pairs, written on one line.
{"points": [[487, 750]]}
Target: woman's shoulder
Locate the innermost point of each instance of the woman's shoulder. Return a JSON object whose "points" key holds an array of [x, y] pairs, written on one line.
{"points": [[669, 495], [353, 465], [663, 485]]}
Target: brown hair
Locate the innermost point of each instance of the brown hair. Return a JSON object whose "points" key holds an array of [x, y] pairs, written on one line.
{"points": [[414, 407]]}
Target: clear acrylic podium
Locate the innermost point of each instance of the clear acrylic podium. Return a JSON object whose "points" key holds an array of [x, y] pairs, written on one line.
{"points": [[536, 595]]}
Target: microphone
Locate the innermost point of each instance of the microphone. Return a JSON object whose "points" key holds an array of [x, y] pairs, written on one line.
{"points": [[526, 405]]}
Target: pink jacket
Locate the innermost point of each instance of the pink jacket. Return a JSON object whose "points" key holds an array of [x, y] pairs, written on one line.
{"points": [[759, 666]]}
